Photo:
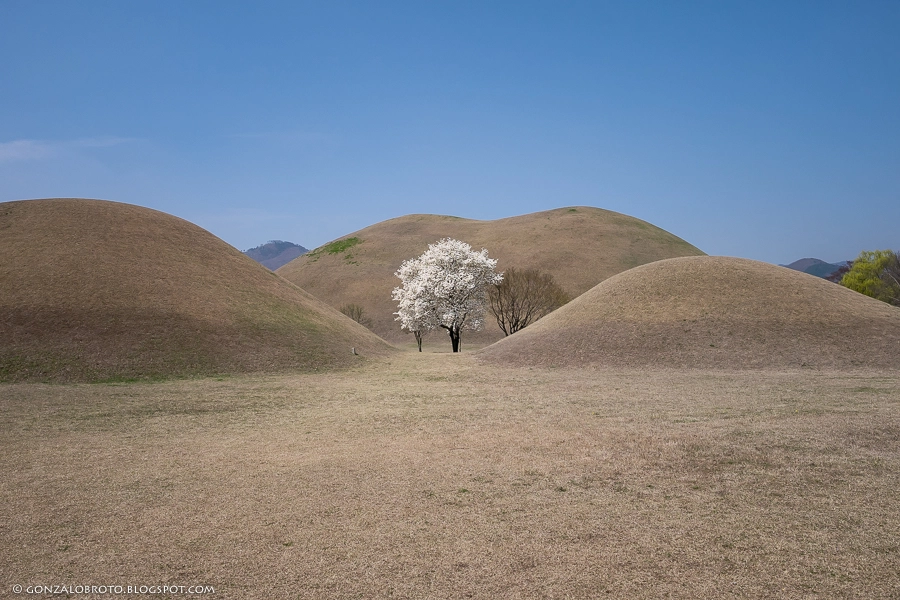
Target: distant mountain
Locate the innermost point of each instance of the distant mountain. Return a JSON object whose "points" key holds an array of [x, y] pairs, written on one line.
{"points": [[275, 253], [814, 266], [804, 263], [822, 270]]}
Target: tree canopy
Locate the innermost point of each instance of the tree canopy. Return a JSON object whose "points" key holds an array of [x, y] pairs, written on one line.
{"points": [[445, 287], [877, 274]]}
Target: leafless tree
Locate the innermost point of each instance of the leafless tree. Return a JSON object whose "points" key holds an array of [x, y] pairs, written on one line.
{"points": [[523, 297], [839, 274], [891, 276], [355, 312]]}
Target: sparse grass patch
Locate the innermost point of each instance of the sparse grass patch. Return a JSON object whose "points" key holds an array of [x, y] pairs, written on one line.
{"points": [[337, 247]]}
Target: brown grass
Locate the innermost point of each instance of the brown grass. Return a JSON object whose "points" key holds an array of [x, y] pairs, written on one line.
{"points": [[93, 290], [579, 246], [711, 312], [431, 476]]}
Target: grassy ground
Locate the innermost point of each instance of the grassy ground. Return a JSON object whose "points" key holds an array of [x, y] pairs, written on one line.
{"points": [[431, 476]]}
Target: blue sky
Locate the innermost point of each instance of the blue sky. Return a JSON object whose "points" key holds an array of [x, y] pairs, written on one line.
{"points": [[767, 130]]}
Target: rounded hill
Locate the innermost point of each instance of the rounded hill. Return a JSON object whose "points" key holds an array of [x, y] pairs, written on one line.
{"points": [[579, 246], [94, 290], [710, 312]]}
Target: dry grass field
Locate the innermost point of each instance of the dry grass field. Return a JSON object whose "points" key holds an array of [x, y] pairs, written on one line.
{"points": [[580, 246], [93, 290], [437, 476]]}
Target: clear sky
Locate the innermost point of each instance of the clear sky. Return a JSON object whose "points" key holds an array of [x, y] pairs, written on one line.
{"points": [[767, 130]]}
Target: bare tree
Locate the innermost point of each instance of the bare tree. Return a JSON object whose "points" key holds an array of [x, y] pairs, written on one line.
{"points": [[838, 275], [891, 276], [523, 297], [355, 312]]}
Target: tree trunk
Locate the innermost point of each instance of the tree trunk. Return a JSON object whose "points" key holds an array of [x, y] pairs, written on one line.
{"points": [[454, 336], [418, 335]]}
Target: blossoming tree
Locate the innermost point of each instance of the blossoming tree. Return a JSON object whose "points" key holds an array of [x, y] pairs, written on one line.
{"points": [[445, 287]]}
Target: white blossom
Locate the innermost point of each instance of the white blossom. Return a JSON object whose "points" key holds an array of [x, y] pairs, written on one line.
{"points": [[445, 287]]}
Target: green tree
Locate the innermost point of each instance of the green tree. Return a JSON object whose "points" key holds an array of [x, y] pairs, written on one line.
{"points": [[876, 274]]}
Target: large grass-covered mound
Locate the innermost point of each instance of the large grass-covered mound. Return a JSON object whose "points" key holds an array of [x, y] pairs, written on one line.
{"points": [[579, 246], [711, 312], [93, 290]]}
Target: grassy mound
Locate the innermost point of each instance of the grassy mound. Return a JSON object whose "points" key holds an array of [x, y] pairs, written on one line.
{"points": [[711, 312], [93, 290], [579, 246]]}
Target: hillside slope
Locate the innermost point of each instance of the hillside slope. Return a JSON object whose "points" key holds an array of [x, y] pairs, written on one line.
{"points": [[579, 246], [92, 290], [711, 312]]}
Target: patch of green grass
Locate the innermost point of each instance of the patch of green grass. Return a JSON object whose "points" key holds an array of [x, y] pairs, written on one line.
{"points": [[333, 248], [14, 365], [871, 390], [339, 246]]}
